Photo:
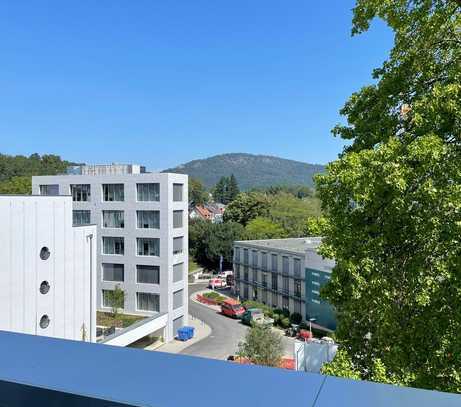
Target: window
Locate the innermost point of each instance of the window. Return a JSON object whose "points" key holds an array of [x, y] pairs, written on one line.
{"points": [[254, 256], [178, 219], [148, 219], [237, 272], [178, 299], [255, 294], [297, 306], [285, 302], [274, 262], [113, 245], [113, 272], [106, 299], [285, 265], [80, 192], [274, 281], [264, 297], [245, 273], [237, 255], [113, 219], [178, 272], [286, 284], [80, 218], [177, 192], [245, 291], [264, 261], [255, 275], [148, 192], [297, 288], [148, 302], [264, 279], [148, 274], [49, 190], [177, 245], [245, 256], [113, 192], [274, 300], [297, 268], [148, 246]]}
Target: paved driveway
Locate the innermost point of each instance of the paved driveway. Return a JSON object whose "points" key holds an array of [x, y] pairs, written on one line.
{"points": [[225, 335]]}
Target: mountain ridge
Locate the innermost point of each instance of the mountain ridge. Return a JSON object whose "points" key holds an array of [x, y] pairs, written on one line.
{"points": [[251, 170]]}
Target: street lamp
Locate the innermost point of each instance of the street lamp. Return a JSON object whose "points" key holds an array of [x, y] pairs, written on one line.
{"points": [[310, 323]]}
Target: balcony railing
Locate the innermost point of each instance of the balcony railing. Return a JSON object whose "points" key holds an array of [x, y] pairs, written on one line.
{"points": [[78, 374]]}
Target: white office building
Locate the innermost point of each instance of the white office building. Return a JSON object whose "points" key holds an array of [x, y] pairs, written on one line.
{"points": [[142, 222], [47, 269]]}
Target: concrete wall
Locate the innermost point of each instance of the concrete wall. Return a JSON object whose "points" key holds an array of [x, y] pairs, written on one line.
{"points": [[28, 224], [130, 259]]}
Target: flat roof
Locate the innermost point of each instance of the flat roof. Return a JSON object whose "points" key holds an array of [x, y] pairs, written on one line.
{"points": [[298, 245], [82, 374]]}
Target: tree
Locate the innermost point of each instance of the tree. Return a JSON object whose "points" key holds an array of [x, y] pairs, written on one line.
{"points": [[209, 241], [17, 185], [116, 301], [245, 207], [232, 189], [220, 190], [292, 213], [392, 203], [262, 346], [263, 228], [197, 192]]}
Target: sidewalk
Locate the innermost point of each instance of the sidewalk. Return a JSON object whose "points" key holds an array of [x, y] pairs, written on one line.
{"points": [[201, 331]]}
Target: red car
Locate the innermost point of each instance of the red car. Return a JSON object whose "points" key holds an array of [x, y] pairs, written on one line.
{"points": [[232, 308]]}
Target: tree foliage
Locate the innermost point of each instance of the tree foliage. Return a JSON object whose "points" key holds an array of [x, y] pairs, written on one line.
{"points": [[262, 346], [392, 203], [17, 185], [116, 301], [198, 195], [226, 190], [246, 207], [208, 241], [16, 171], [263, 228]]}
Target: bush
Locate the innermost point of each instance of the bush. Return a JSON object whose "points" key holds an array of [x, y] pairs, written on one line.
{"points": [[278, 311], [286, 313], [254, 304], [285, 323], [296, 318]]}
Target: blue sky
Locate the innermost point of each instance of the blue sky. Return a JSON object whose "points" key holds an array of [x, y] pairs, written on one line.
{"points": [[164, 82]]}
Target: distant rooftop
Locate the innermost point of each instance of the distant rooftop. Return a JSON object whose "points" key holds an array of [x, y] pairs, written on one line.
{"points": [[106, 169], [299, 245]]}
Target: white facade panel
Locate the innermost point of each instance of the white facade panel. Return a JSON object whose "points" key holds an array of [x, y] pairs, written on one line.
{"points": [[28, 225]]}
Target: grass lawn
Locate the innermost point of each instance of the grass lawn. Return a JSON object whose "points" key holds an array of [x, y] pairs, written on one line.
{"points": [[192, 265], [124, 321]]}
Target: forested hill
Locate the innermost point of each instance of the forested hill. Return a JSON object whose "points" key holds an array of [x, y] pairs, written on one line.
{"points": [[251, 171], [16, 171]]}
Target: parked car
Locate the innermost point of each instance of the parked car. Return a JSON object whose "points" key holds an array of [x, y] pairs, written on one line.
{"points": [[232, 308], [255, 315], [217, 283], [224, 274]]}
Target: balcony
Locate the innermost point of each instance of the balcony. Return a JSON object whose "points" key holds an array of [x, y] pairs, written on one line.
{"points": [[38, 371]]}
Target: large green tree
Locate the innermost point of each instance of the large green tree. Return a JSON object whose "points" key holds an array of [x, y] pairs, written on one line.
{"points": [[392, 203], [209, 241], [246, 207], [198, 195], [263, 228]]}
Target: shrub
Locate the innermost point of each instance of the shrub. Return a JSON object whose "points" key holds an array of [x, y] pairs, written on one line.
{"points": [[285, 323], [254, 304], [286, 313], [296, 318]]}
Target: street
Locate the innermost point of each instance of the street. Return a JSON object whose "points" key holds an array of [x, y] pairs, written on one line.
{"points": [[226, 332]]}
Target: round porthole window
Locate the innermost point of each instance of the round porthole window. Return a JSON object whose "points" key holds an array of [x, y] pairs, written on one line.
{"points": [[44, 321], [45, 253], [44, 287]]}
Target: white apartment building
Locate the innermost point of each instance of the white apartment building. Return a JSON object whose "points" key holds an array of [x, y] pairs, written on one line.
{"points": [[142, 223], [47, 269]]}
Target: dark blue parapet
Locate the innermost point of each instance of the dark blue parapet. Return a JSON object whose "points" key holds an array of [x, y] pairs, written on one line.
{"points": [[38, 371]]}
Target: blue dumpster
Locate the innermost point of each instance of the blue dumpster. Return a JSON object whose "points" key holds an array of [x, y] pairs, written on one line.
{"points": [[190, 331], [183, 334]]}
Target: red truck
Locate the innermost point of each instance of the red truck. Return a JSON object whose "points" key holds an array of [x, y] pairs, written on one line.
{"points": [[232, 308]]}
